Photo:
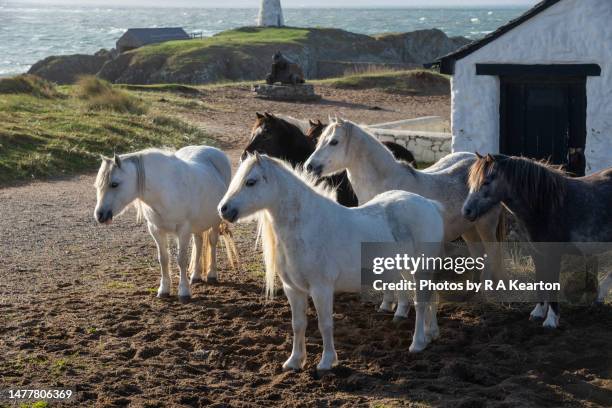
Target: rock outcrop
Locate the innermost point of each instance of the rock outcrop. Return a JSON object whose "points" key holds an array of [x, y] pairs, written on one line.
{"points": [[65, 69], [244, 54]]}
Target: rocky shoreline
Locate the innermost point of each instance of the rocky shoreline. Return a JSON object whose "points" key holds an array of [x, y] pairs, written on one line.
{"points": [[244, 54]]}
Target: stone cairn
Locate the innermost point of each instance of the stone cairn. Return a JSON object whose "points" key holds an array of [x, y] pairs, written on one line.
{"points": [[270, 14], [285, 82]]}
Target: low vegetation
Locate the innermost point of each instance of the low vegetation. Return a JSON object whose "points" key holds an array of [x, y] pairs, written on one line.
{"points": [[28, 84], [413, 82], [43, 136], [101, 95]]}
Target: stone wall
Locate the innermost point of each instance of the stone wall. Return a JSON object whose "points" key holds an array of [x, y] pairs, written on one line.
{"points": [[427, 147]]}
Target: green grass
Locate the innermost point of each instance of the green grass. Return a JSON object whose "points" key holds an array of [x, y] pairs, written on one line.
{"points": [[402, 82], [44, 137], [238, 37], [28, 84]]}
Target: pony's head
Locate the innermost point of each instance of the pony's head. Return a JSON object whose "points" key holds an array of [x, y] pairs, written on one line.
{"points": [[486, 187], [116, 187], [251, 189], [331, 153], [277, 137], [539, 187], [315, 130]]}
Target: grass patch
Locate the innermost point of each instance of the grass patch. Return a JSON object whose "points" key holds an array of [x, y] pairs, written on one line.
{"points": [[237, 37], [41, 137], [28, 84], [413, 82], [117, 285], [37, 404], [100, 95]]}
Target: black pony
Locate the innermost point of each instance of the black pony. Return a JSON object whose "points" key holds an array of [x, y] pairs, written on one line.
{"points": [[279, 138], [552, 206]]}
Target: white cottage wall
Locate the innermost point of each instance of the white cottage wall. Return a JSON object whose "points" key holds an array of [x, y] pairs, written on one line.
{"points": [[569, 32]]}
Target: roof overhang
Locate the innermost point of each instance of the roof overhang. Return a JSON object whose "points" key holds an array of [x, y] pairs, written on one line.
{"points": [[447, 62]]}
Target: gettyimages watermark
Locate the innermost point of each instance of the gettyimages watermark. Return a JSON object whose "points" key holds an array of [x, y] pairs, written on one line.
{"points": [[498, 272]]}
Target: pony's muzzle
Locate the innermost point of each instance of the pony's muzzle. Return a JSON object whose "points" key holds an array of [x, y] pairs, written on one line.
{"points": [[104, 216], [469, 213], [314, 168], [228, 213]]}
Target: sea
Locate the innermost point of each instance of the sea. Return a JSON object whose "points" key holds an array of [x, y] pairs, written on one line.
{"points": [[29, 33]]}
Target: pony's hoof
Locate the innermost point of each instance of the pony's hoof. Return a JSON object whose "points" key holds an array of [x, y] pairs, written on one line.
{"points": [[399, 319], [294, 364], [195, 281], [212, 280], [163, 295], [417, 347], [184, 299]]}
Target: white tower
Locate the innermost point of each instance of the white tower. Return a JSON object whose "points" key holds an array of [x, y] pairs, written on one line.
{"points": [[270, 14]]}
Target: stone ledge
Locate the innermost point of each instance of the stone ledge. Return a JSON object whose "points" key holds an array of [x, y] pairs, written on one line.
{"points": [[302, 92]]}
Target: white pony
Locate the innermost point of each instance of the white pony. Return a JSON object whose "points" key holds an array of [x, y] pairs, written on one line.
{"points": [[177, 194], [372, 169], [313, 244]]}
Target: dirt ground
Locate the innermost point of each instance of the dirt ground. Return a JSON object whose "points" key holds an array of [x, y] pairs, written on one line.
{"points": [[78, 309]]}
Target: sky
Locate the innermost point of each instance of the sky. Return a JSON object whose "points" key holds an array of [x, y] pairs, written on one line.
{"points": [[287, 3]]}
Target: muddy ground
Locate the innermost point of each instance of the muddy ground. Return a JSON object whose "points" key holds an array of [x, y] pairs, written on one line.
{"points": [[78, 309]]}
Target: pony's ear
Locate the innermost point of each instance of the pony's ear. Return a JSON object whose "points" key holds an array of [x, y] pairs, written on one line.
{"points": [[312, 122], [105, 159], [259, 115], [269, 115], [257, 157], [117, 161], [490, 158], [319, 122], [478, 155]]}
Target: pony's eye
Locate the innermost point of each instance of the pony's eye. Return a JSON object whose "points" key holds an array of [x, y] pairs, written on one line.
{"points": [[114, 185], [333, 142], [251, 182]]}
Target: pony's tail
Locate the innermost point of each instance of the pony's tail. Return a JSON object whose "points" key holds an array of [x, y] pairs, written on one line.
{"points": [[230, 245], [206, 257], [501, 225]]}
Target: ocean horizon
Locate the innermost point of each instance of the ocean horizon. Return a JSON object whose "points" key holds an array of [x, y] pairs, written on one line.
{"points": [[30, 32]]}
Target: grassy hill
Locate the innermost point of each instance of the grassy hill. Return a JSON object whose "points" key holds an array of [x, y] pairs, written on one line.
{"points": [[49, 131]]}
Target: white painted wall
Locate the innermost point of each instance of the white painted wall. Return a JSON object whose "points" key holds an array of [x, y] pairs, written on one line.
{"points": [[427, 147], [571, 31], [270, 14]]}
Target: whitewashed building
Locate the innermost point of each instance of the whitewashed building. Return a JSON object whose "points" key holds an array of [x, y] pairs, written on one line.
{"points": [[270, 14], [539, 86]]}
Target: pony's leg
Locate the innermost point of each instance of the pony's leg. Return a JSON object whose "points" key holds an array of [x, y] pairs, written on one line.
{"points": [[161, 240], [474, 244], [487, 229], [403, 306], [604, 287], [432, 331], [387, 304], [548, 267], [422, 307], [323, 299], [184, 239], [299, 304], [213, 238], [196, 274]]}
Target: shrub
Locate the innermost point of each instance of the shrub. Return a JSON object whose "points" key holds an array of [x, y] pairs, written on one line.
{"points": [[28, 84], [100, 95]]}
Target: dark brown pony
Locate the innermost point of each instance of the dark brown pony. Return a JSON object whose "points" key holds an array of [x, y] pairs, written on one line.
{"points": [[279, 138], [552, 206], [399, 151]]}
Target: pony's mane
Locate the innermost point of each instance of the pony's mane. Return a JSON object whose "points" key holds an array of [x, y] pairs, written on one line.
{"points": [[368, 134], [540, 184], [303, 125], [103, 177]]}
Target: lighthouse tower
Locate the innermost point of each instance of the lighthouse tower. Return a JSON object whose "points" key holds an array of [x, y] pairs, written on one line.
{"points": [[270, 14]]}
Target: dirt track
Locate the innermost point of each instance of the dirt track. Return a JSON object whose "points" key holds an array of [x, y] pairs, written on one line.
{"points": [[78, 309]]}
